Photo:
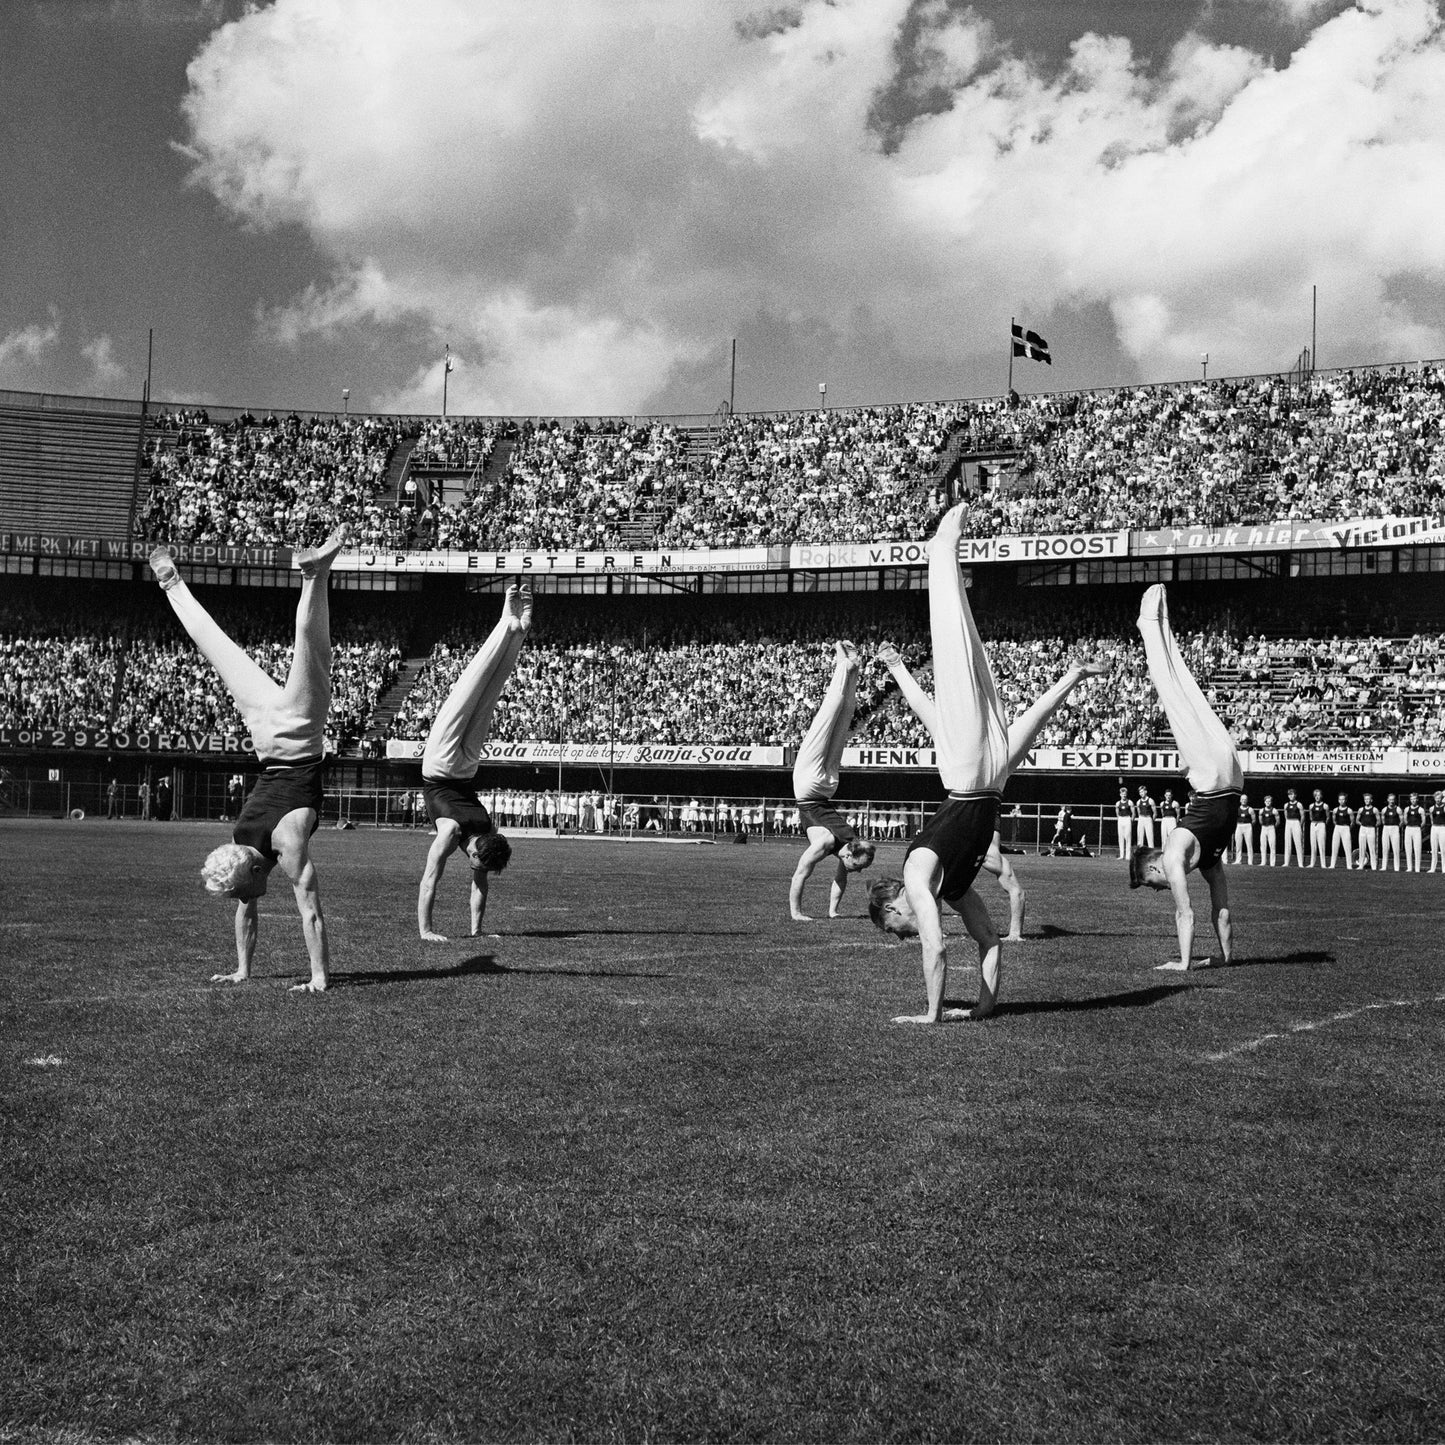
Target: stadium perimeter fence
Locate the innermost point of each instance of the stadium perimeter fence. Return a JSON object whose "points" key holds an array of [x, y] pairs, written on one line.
{"points": [[1029, 826]]}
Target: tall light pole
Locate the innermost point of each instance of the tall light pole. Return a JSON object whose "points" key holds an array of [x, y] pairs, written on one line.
{"points": [[823, 395], [446, 372], [561, 740], [1204, 363], [614, 659], [346, 400]]}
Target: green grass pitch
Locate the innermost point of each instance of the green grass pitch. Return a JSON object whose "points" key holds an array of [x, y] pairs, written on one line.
{"points": [[655, 1164]]}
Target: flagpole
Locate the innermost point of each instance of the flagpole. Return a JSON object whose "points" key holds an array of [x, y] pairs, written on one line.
{"points": [[1009, 392]]}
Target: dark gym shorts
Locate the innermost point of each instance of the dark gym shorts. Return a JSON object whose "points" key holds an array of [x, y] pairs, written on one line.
{"points": [[821, 813], [1211, 817], [961, 833], [281, 789], [456, 798]]}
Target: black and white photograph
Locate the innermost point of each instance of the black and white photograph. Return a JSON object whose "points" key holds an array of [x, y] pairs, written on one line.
{"points": [[672, 674]]}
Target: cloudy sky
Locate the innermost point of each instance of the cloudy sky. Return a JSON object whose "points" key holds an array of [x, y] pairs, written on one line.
{"points": [[589, 199]]}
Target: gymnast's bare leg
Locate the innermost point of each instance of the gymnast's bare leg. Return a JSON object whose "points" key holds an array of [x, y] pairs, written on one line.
{"points": [[288, 726], [972, 746], [815, 780], [1212, 764], [1021, 734], [449, 766]]}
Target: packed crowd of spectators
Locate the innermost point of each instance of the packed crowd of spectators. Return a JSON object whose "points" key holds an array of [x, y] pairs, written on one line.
{"points": [[568, 485], [1352, 443], [1340, 691], [757, 675], [460, 446], [168, 687], [274, 479], [57, 663], [863, 474], [115, 659], [743, 670], [754, 673]]}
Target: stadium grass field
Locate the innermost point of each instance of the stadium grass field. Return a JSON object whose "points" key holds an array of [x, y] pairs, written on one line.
{"points": [[655, 1164]]}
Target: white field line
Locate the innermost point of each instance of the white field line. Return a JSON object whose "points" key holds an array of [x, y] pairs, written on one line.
{"points": [[1311, 1025]]}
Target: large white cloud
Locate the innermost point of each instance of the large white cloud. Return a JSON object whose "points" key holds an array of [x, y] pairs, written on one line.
{"points": [[583, 198]]}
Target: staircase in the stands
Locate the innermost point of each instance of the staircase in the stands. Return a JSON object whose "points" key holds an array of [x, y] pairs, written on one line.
{"points": [[389, 703], [639, 531], [68, 464]]}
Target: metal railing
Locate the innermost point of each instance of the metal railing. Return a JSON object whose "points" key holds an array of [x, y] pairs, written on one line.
{"points": [[1030, 827]]}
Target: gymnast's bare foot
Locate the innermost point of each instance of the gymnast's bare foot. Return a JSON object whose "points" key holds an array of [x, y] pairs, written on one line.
{"points": [[316, 561], [950, 526], [240, 976], [164, 566], [1152, 606], [518, 608]]}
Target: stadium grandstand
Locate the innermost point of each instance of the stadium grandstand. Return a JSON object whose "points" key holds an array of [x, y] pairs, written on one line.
{"points": [[692, 574]]}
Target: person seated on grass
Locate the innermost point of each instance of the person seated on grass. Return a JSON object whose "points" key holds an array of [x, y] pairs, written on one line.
{"points": [[972, 748], [449, 767], [1021, 734], [815, 780], [288, 726], [1217, 778]]}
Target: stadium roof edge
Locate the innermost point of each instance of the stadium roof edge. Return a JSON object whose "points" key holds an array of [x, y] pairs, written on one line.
{"points": [[53, 401], [62, 401]]}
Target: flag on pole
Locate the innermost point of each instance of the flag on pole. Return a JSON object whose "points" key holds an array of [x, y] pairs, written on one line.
{"points": [[1031, 344]]}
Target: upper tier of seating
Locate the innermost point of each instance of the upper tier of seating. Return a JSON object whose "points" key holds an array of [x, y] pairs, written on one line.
{"points": [[67, 464], [1356, 443], [265, 480]]}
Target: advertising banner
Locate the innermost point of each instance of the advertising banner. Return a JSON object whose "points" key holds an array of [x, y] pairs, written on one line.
{"points": [[1042, 548], [1358, 533], [99, 549], [623, 755], [102, 741], [1333, 762], [1426, 765], [1290, 536], [571, 564], [1280, 762], [1039, 760]]}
